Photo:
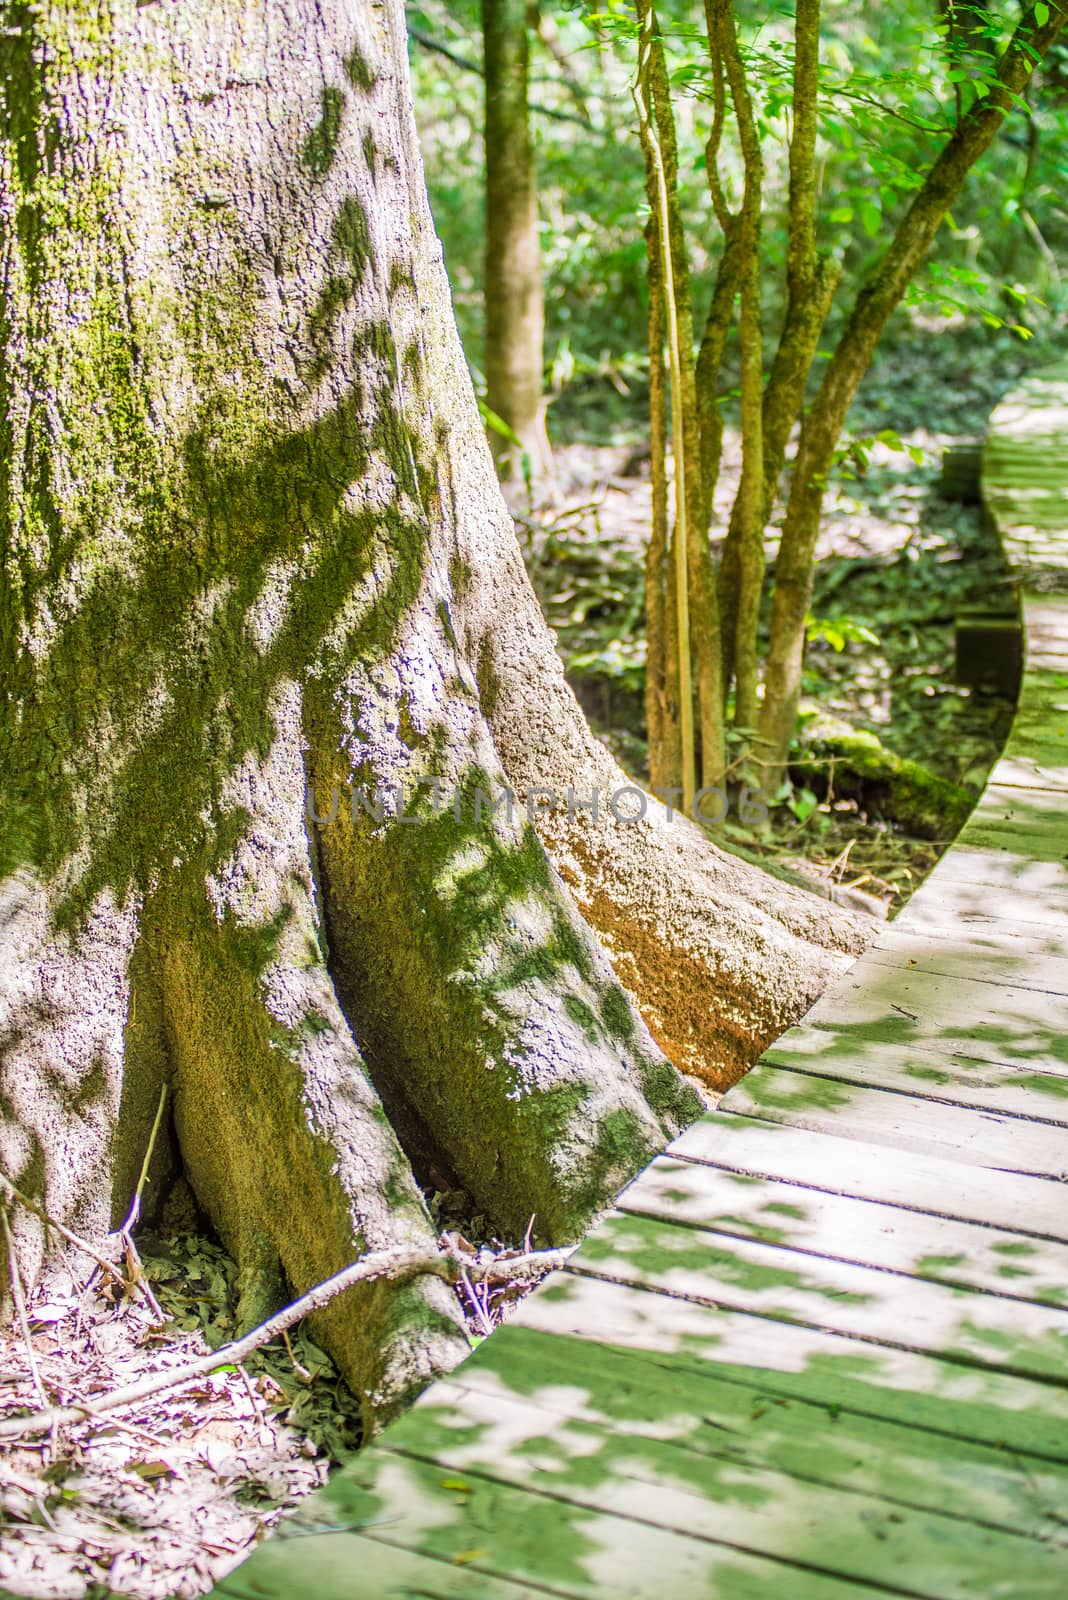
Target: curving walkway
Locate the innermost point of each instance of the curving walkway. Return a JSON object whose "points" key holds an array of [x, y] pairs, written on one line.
{"points": [[820, 1346]]}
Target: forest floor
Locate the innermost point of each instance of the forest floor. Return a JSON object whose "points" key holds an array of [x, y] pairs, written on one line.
{"points": [[163, 1499]]}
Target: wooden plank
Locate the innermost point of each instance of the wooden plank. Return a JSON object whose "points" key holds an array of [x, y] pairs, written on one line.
{"points": [[1045, 652], [1029, 772], [1045, 686], [494, 1530], [948, 1015], [1046, 620], [980, 937], [878, 1116], [1044, 691], [1018, 960], [1037, 843], [1006, 1088], [958, 907], [1036, 736], [631, 1391], [981, 929], [786, 1286], [842, 1165], [351, 1566], [1038, 813], [677, 1483], [1027, 890], [865, 1232], [794, 1361]]}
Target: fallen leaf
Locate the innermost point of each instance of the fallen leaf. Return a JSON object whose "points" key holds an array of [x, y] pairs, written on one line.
{"points": [[151, 1469]]}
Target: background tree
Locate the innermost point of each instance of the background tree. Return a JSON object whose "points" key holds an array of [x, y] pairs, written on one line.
{"points": [[261, 602], [515, 311], [773, 397]]}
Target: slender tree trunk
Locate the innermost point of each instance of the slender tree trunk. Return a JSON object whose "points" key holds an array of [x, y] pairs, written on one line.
{"points": [[811, 280], [265, 635], [661, 627], [878, 297], [709, 417], [710, 357], [749, 505], [515, 311], [810, 285], [701, 613]]}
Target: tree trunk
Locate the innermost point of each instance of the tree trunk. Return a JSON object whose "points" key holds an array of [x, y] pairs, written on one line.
{"points": [[749, 505], [258, 579], [661, 601], [878, 296], [515, 312], [688, 557]]}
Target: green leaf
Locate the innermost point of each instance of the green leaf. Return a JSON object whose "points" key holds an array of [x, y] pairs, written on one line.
{"points": [[871, 218], [842, 214], [802, 803], [497, 424], [1041, 14]]}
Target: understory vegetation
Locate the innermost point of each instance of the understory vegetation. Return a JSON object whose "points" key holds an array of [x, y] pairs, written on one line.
{"points": [[904, 550]]}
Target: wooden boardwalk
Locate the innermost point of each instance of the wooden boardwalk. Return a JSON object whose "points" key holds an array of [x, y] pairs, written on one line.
{"points": [[820, 1346]]}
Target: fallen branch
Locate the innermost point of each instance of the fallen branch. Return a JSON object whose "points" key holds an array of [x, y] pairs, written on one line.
{"points": [[72, 1238], [134, 1265], [858, 766], [400, 1262], [135, 1279], [20, 1308]]}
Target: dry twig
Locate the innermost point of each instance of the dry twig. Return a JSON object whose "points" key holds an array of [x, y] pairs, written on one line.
{"points": [[20, 1308], [134, 1266], [72, 1238], [400, 1262]]}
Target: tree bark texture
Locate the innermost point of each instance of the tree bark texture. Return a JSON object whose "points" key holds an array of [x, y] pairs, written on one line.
{"points": [[690, 527], [254, 557]]}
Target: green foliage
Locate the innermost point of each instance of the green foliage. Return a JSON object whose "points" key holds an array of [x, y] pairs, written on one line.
{"points": [[894, 83], [839, 632]]}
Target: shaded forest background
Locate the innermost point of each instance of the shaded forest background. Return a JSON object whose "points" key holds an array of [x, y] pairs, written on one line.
{"points": [[905, 553]]}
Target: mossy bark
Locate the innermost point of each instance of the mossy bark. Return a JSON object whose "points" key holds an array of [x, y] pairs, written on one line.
{"points": [[253, 549], [692, 689]]}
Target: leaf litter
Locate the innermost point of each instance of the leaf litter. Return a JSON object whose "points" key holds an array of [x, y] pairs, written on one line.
{"points": [[165, 1497]]}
